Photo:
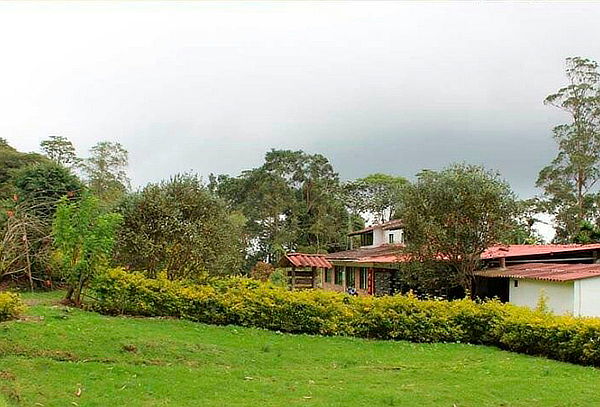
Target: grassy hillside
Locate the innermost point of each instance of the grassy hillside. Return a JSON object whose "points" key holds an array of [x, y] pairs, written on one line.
{"points": [[59, 356]]}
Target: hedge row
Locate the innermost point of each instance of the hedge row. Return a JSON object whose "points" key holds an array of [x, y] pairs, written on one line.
{"points": [[10, 305], [249, 303]]}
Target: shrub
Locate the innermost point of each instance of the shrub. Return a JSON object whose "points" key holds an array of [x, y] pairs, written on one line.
{"points": [[248, 302], [10, 306]]}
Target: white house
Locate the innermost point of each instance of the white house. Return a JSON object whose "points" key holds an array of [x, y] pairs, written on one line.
{"points": [[569, 289]]}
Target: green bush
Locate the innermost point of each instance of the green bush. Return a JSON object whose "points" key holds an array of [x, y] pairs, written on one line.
{"points": [[247, 302], [10, 306]]}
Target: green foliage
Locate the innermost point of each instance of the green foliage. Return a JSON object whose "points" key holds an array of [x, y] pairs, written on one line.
{"points": [[588, 233], [43, 185], [293, 200], [10, 161], [105, 170], [377, 194], [455, 214], [60, 150], [84, 238], [429, 279], [251, 303], [570, 182], [11, 305], [180, 227]]}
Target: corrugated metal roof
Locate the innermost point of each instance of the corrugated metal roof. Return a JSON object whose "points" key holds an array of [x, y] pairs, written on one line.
{"points": [[518, 250], [545, 271], [308, 260]]}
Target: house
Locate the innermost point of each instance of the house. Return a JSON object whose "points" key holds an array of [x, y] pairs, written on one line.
{"points": [[567, 275], [372, 268], [568, 288]]}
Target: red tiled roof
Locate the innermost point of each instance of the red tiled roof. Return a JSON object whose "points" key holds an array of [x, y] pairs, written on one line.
{"points": [[545, 271], [391, 253], [308, 260], [518, 250], [389, 225]]}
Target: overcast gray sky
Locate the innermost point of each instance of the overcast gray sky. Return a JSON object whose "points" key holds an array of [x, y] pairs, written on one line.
{"points": [[375, 86]]}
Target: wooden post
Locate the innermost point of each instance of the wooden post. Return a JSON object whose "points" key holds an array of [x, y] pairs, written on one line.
{"points": [[314, 276], [293, 278], [503, 262]]}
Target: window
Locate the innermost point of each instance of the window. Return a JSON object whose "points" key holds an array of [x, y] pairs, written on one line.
{"points": [[328, 275], [364, 278], [366, 239], [391, 238], [350, 277], [516, 283], [339, 275]]}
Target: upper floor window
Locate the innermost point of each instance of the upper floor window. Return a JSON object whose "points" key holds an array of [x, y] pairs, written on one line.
{"points": [[366, 239], [391, 238]]}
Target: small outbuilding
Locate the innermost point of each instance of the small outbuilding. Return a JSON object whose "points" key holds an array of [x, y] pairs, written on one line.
{"points": [[304, 269], [570, 289]]}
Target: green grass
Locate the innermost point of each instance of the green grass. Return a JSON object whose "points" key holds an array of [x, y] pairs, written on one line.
{"points": [[55, 351]]}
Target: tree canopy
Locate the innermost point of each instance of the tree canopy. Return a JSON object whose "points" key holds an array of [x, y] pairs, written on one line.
{"points": [[105, 170], [455, 214], [377, 194], [60, 150], [294, 201], [180, 227]]}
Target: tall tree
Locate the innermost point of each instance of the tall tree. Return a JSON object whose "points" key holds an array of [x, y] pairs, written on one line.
{"points": [[292, 202], [570, 182], [106, 170], [455, 214], [376, 194], [60, 150]]}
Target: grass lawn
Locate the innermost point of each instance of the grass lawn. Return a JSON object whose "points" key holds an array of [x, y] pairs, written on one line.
{"points": [[63, 357]]}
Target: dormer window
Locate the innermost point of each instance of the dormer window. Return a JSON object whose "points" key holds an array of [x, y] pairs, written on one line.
{"points": [[391, 238]]}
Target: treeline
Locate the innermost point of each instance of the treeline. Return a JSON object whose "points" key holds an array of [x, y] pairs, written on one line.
{"points": [[66, 217]]}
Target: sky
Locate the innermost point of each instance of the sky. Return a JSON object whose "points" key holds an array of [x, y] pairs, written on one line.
{"points": [[209, 87]]}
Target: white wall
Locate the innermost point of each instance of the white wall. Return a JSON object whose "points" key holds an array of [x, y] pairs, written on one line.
{"points": [[381, 236], [560, 295], [378, 236], [587, 297]]}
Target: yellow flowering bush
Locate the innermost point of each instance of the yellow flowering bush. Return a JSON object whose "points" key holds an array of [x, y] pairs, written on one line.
{"points": [[10, 305]]}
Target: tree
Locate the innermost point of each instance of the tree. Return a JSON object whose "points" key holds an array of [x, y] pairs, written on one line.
{"points": [[106, 170], [26, 228], [455, 214], [570, 182], [522, 231], [293, 201], [43, 185], [180, 227], [61, 151], [10, 161], [83, 238], [377, 194]]}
